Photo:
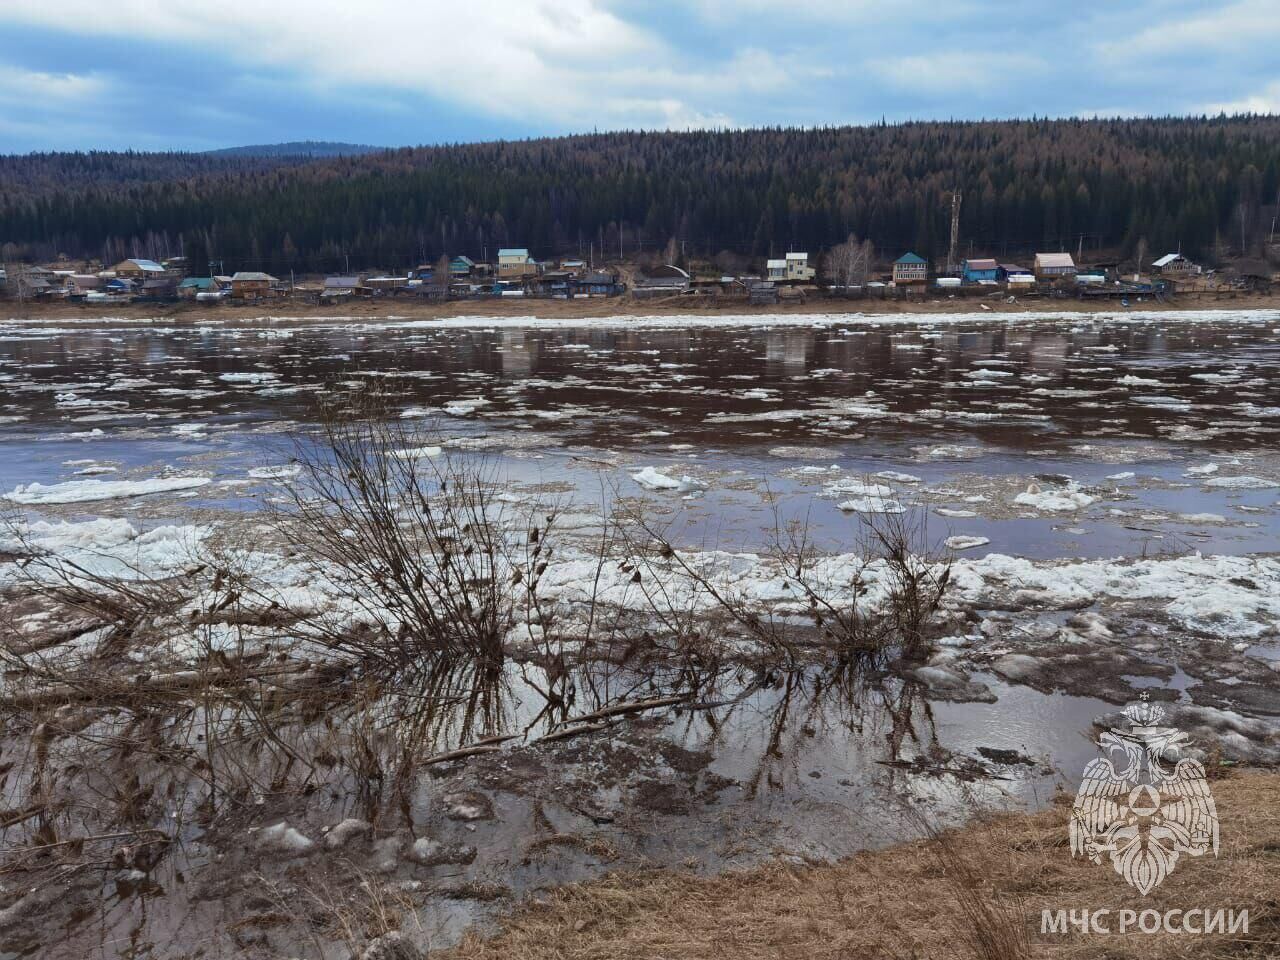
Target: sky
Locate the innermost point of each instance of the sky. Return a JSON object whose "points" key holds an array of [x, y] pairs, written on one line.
{"points": [[179, 74]]}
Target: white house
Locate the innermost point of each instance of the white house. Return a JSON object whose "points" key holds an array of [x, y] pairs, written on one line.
{"points": [[794, 267], [515, 262]]}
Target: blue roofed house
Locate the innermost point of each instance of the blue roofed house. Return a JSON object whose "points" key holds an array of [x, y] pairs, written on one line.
{"points": [[910, 269], [461, 266], [979, 271], [191, 287]]}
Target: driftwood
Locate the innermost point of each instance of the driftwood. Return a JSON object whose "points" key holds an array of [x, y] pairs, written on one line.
{"points": [[113, 689], [568, 732], [633, 706], [486, 745]]}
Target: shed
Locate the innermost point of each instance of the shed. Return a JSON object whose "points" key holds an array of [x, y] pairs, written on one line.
{"points": [[1050, 266], [1174, 266], [191, 287]]}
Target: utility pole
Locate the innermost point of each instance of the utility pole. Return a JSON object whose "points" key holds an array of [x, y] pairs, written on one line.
{"points": [[955, 230]]}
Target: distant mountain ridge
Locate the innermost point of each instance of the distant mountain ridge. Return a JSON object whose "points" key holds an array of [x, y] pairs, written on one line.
{"points": [[298, 148]]}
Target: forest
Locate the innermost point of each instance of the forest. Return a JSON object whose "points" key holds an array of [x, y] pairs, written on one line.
{"points": [[1208, 186]]}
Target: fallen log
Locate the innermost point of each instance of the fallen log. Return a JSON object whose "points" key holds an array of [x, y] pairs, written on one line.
{"points": [[631, 706]]}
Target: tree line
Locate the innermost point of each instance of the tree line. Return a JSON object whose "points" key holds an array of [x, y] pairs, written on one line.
{"points": [[1208, 186]]}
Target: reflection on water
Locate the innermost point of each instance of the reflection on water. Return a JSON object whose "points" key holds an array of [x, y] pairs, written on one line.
{"points": [[814, 763], [756, 414]]}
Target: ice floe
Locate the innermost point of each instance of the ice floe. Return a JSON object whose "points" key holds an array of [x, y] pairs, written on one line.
{"points": [[86, 491]]}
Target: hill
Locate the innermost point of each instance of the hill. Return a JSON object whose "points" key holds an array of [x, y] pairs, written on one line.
{"points": [[1208, 184], [297, 148]]}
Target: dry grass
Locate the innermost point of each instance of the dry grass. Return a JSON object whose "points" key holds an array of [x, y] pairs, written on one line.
{"points": [[906, 901]]}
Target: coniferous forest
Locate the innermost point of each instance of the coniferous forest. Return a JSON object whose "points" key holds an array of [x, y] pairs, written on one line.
{"points": [[1206, 185]]}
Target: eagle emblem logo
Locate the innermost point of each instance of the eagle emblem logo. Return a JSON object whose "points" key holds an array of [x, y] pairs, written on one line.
{"points": [[1142, 804]]}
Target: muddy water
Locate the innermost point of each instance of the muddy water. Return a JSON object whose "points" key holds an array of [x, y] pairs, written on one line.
{"points": [[762, 420]]}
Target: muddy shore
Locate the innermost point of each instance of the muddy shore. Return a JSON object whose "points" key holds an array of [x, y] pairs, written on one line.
{"points": [[628, 307]]}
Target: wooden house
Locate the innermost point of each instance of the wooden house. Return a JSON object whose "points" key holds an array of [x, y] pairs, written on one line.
{"points": [[1174, 266], [1054, 266], [662, 281], [252, 285], [81, 283], [138, 269]]}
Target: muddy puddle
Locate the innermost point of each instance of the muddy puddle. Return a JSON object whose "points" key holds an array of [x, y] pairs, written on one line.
{"points": [[807, 766]]}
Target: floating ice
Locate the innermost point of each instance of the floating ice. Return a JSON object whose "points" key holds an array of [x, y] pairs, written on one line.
{"points": [[1242, 483], [1061, 500], [965, 543], [871, 505], [653, 479], [85, 491], [275, 473]]}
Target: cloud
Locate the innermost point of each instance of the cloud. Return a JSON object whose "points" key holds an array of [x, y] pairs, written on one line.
{"points": [[1242, 27], [1266, 100], [957, 73], [556, 60], [20, 86], [394, 72]]}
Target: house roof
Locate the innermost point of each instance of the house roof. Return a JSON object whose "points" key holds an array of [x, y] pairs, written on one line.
{"points": [[1013, 268], [513, 252], [776, 264], [243, 275], [1167, 259], [910, 258], [797, 256], [199, 283], [150, 266], [981, 264], [1054, 260], [463, 259], [341, 283]]}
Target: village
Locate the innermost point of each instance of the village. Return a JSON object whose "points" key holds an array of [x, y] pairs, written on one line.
{"points": [[850, 271]]}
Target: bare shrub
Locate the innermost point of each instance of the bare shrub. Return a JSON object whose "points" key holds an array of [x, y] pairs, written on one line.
{"points": [[888, 603], [412, 540]]}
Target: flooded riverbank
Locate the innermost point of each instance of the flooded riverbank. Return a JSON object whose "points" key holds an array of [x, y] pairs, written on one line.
{"points": [[1103, 494]]}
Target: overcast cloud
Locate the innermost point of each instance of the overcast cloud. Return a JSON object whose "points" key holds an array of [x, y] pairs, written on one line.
{"points": [[181, 74]]}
